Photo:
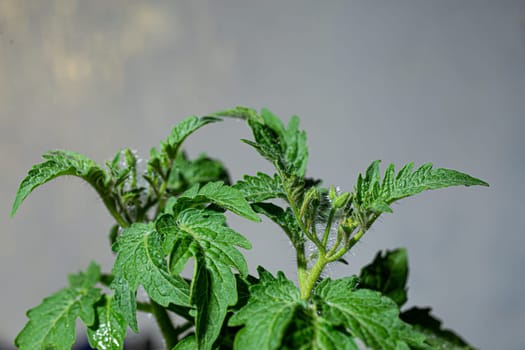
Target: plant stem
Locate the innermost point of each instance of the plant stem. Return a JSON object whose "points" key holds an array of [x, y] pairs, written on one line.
{"points": [[166, 326], [113, 210], [345, 248], [336, 244], [144, 307], [302, 271], [310, 278], [328, 226]]}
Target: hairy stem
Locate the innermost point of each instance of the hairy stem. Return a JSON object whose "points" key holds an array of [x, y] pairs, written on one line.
{"points": [[337, 242], [310, 277], [328, 226], [302, 271]]}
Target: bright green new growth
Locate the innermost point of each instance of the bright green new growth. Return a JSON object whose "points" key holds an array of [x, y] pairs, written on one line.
{"points": [[172, 213]]}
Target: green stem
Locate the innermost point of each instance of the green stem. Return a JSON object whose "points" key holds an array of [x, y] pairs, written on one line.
{"points": [[144, 307], [337, 242], [310, 278], [161, 199], [110, 205], [166, 326], [302, 271], [301, 224], [328, 226], [344, 249]]}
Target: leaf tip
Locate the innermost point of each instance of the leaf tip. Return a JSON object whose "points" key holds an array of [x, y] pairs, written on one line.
{"points": [[16, 204]]}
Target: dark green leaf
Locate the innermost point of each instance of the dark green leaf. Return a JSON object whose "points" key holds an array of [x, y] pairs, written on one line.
{"points": [[141, 260], [275, 317], [59, 163], [296, 148], [310, 331], [387, 274], [366, 315], [267, 144], [52, 324], [284, 146], [109, 330], [212, 289], [437, 337], [203, 235], [376, 196], [261, 187], [186, 173], [268, 313], [224, 196], [275, 124], [284, 218]]}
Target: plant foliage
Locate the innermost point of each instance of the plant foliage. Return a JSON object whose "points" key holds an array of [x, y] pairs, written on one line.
{"points": [[170, 211]]}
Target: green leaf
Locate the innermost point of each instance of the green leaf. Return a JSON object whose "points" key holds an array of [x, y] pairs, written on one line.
{"points": [[261, 187], [125, 301], [186, 173], [267, 144], [181, 131], [203, 235], [188, 343], [268, 313], [377, 196], [240, 112], [309, 331], [59, 163], [141, 260], [296, 148], [275, 317], [366, 315], [224, 196], [387, 274], [437, 337], [52, 324], [284, 218], [126, 175], [161, 162], [284, 146], [211, 294], [274, 123], [109, 330]]}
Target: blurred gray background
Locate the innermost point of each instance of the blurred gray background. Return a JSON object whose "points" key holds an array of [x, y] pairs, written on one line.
{"points": [[440, 81]]}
